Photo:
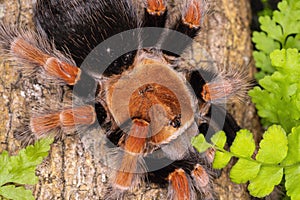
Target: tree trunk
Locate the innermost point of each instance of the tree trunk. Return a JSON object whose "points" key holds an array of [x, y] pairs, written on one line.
{"points": [[70, 171]]}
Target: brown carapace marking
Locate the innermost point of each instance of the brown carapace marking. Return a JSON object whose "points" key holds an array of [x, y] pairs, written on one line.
{"points": [[134, 146], [157, 105], [200, 176], [156, 7], [149, 95], [193, 14], [217, 90], [53, 66], [67, 118], [180, 184]]}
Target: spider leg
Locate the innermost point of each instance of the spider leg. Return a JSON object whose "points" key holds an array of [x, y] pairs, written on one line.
{"points": [[36, 53], [37, 56], [189, 23], [154, 20], [188, 176], [51, 65], [229, 86], [128, 171], [191, 17], [213, 92], [65, 119], [155, 13], [202, 182], [180, 186]]}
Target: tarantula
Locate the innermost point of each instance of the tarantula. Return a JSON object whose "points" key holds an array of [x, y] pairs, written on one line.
{"points": [[132, 84]]}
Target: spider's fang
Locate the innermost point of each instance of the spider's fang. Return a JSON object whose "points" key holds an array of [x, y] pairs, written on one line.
{"points": [[53, 66]]}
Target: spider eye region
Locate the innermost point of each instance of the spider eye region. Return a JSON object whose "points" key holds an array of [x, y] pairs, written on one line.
{"points": [[176, 122], [155, 94]]}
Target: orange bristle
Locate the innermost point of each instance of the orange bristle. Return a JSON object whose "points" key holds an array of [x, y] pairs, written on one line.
{"points": [[62, 70], [200, 176], [210, 155], [125, 174], [134, 145], [44, 123], [84, 115], [156, 7], [180, 184], [217, 90], [162, 136], [28, 52], [67, 118], [53, 67], [193, 14]]}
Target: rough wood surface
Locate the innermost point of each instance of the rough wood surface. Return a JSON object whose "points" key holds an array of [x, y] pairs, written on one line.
{"points": [[70, 171]]}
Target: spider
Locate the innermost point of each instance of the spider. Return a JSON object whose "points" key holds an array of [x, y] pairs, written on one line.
{"points": [[127, 78]]}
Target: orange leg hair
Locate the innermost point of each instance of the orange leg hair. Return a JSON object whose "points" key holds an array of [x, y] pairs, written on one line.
{"points": [[52, 66], [156, 7], [193, 14], [135, 144], [68, 118], [180, 185]]}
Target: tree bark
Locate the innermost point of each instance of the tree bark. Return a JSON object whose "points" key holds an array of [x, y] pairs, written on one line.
{"points": [[70, 171]]}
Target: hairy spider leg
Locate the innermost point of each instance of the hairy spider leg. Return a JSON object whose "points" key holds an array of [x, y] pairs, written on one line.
{"points": [[57, 69], [213, 93], [135, 144], [180, 186], [191, 17], [153, 22], [52, 66], [65, 119], [155, 13], [189, 23], [202, 181]]}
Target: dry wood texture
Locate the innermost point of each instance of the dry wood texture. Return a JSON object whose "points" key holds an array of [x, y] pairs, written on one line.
{"points": [[70, 171]]}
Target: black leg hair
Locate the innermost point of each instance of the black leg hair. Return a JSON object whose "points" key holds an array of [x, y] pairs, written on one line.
{"points": [[223, 121], [189, 23], [154, 17], [188, 165]]}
